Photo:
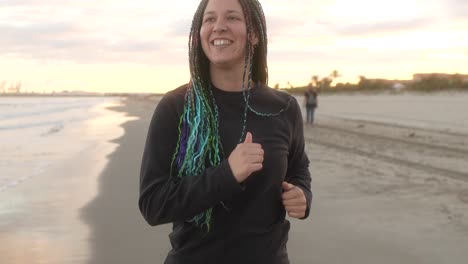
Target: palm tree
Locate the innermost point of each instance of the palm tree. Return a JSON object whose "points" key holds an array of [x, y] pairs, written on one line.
{"points": [[335, 74], [362, 79], [325, 83], [362, 82], [315, 80]]}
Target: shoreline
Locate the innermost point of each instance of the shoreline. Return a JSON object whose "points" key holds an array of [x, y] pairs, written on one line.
{"points": [[119, 234]]}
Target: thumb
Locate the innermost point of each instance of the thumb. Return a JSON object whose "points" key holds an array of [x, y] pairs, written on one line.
{"points": [[248, 138], [287, 186]]}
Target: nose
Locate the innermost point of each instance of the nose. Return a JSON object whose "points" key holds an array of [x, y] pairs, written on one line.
{"points": [[220, 26]]}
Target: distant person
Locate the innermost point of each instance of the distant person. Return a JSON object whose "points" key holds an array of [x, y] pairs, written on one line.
{"points": [[311, 103], [224, 159]]}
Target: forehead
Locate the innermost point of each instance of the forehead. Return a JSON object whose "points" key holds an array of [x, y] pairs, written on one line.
{"points": [[223, 6]]}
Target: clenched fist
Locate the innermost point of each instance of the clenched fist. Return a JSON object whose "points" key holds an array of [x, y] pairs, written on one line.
{"points": [[294, 200], [246, 158]]}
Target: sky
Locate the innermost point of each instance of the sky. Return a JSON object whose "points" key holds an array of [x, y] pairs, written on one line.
{"points": [[141, 46]]}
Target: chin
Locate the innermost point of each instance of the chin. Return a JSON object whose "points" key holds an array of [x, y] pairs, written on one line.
{"points": [[222, 63], [225, 62]]}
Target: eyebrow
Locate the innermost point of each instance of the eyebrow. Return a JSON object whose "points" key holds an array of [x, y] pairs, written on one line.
{"points": [[228, 11]]}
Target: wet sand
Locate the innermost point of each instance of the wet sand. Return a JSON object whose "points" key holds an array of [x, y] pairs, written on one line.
{"points": [[119, 234], [382, 194]]}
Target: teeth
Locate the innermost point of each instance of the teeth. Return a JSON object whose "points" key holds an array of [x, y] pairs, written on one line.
{"points": [[219, 42]]}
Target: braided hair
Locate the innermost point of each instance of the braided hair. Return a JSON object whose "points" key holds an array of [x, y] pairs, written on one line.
{"points": [[199, 145]]}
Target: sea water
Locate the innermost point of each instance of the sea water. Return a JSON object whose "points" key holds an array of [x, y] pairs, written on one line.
{"points": [[37, 132]]}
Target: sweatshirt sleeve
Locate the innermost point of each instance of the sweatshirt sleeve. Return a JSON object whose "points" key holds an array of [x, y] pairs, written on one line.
{"points": [[165, 198], [298, 163]]}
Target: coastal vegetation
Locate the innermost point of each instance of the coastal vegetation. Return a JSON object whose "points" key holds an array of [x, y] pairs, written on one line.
{"points": [[432, 82]]}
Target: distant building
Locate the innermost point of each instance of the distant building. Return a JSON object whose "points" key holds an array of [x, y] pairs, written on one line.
{"points": [[424, 76], [398, 86], [15, 89], [393, 84]]}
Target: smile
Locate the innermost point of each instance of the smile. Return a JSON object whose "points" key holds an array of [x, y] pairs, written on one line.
{"points": [[221, 42]]}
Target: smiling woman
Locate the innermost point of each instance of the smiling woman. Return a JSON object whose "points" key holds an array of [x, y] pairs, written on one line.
{"points": [[224, 159]]}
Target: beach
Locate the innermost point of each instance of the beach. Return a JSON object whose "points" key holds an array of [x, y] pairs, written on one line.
{"points": [[390, 184]]}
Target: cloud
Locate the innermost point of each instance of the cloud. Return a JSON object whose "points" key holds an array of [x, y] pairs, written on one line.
{"points": [[48, 34], [458, 8], [376, 27], [277, 24], [343, 56], [67, 41], [4, 3], [78, 31], [148, 32], [31, 3], [180, 28]]}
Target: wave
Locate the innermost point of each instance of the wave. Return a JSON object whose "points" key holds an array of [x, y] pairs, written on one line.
{"points": [[42, 112], [35, 125], [54, 129], [40, 168]]}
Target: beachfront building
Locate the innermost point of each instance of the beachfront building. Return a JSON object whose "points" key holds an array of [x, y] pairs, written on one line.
{"points": [[424, 76], [14, 89], [396, 85]]}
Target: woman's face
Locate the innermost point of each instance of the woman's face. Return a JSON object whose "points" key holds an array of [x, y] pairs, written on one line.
{"points": [[223, 33]]}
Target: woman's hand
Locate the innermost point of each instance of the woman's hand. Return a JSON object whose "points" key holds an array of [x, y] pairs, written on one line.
{"points": [[246, 158], [294, 200]]}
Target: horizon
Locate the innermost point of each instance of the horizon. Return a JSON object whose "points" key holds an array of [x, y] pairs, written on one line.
{"points": [[65, 92], [127, 47]]}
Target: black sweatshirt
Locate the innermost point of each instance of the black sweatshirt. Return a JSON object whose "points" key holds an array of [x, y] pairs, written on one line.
{"points": [[251, 226]]}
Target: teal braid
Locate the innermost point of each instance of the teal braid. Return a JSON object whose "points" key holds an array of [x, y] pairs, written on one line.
{"points": [[198, 146]]}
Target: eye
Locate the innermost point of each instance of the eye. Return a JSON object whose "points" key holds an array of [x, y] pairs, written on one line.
{"points": [[209, 19], [233, 18]]}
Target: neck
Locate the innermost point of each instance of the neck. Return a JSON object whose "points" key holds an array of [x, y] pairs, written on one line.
{"points": [[228, 79]]}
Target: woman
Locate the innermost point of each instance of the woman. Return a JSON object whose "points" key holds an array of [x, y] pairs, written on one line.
{"points": [[224, 158]]}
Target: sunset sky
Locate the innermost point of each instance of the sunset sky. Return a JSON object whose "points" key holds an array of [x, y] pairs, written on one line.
{"points": [[141, 46]]}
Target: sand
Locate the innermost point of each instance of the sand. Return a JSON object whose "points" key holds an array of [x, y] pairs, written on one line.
{"points": [[382, 194]]}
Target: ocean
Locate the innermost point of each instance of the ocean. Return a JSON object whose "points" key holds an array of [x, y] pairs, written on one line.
{"points": [[37, 132]]}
